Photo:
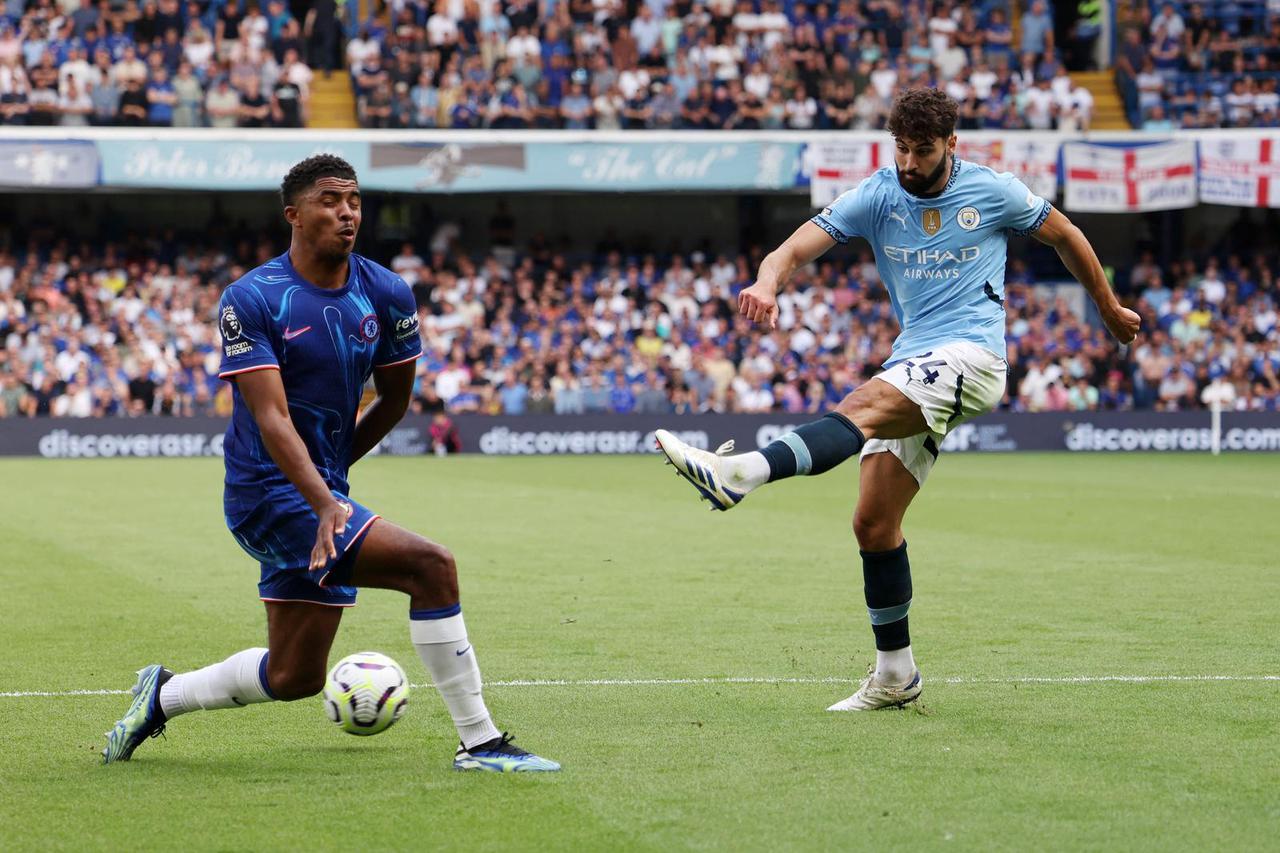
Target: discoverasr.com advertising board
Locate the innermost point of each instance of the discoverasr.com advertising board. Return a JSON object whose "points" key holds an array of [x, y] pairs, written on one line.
{"points": [[550, 435]]}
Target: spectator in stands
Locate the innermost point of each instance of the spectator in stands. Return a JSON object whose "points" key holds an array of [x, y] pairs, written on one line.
{"points": [[222, 104], [288, 104], [198, 49], [189, 97], [129, 68], [425, 100], [13, 396], [1037, 30], [133, 104], [74, 105], [161, 99], [1157, 121], [445, 438], [321, 31], [1168, 21], [253, 109]]}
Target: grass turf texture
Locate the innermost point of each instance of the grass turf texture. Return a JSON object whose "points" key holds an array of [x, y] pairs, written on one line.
{"points": [[602, 568]]}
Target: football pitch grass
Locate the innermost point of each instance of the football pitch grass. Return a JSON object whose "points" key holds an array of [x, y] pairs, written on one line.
{"points": [[681, 663]]}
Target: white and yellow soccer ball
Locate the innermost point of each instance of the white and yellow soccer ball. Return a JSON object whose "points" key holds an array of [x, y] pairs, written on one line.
{"points": [[365, 693]]}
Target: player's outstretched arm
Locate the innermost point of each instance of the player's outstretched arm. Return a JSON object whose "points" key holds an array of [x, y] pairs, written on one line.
{"points": [[263, 393], [1074, 249], [806, 245], [394, 385]]}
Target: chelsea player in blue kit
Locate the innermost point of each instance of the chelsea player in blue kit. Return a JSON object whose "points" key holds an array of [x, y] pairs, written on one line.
{"points": [[939, 228], [301, 335]]}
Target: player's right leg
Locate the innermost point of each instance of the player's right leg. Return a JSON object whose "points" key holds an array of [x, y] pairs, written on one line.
{"points": [[874, 409], [930, 392], [394, 558]]}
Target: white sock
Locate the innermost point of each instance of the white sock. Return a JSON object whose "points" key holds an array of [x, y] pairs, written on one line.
{"points": [[745, 471], [445, 651], [895, 667], [237, 681]]}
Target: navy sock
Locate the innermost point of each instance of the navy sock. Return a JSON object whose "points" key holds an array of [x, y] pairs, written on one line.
{"points": [[886, 579], [814, 448]]}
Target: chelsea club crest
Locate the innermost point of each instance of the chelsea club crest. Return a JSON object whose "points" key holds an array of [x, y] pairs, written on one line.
{"points": [[369, 328]]}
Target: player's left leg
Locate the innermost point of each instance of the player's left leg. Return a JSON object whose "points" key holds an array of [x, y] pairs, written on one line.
{"points": [[299, 635], [393, 558], [889, 480]]}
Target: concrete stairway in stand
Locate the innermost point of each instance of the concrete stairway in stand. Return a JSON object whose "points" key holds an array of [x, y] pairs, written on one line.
{"points": [[1108, 108], [333, 103]]}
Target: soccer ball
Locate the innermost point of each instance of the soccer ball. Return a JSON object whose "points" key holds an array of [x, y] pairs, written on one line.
{"points": [[365, 693]]}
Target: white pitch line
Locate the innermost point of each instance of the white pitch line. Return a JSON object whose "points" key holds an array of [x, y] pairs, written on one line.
{"points": [[663, 682]]}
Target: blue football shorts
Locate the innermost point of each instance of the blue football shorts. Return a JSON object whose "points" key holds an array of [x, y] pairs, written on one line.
{"points": [[279, 532]]}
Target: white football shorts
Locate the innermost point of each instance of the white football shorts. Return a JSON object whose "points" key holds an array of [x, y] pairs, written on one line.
{"points": [[951, 384]]}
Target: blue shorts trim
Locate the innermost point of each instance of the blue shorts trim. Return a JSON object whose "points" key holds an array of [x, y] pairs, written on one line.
{"points": [[280, 532]]}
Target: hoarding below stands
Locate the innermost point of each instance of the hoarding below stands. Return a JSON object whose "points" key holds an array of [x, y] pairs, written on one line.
{"points": [[1105, 171], [549, 435]]}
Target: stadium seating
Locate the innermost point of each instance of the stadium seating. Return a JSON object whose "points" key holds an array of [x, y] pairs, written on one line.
{"points": [[219, 63], [117, 331], [705, 64], [1211, 64], [708, 64]]}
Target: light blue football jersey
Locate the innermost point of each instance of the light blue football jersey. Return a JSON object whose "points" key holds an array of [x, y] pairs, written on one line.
{"points": [[942, 259]]}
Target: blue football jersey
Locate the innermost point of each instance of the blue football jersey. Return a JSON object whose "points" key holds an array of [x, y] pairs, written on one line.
{"points": [[325, 343], [942, 259]]}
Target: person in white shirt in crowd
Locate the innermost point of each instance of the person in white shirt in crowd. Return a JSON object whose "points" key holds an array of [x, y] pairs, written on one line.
{"points": [[982, 80], [942, 28], [360, 48], [74, 104], [951, 61], [1038, 106], [442, 28], [1170, 21], [524, 48], [646, 29]]}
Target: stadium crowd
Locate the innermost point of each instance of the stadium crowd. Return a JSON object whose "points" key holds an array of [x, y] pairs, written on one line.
{"points": [[707, 64], [130, 329], [627, 64], [607, 64], [161, 63], [1199, 65]]}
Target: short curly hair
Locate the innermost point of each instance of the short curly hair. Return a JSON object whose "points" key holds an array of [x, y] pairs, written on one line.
{"points": [[304, 174], [922, 114]]}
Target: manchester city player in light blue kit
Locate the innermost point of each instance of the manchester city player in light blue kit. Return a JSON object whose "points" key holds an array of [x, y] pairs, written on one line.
{"points": [[301, 335], [939, 227]]}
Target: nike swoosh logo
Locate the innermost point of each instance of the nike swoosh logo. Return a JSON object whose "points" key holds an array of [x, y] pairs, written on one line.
{"points": [[463, 652], [290, 334]]}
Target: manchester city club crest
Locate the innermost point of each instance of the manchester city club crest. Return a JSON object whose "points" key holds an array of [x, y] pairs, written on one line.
{"points": [[931, 220], [968, 218]]}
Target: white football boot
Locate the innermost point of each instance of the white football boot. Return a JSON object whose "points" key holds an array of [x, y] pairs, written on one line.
{"points": [[703, 470], [873, 695]]}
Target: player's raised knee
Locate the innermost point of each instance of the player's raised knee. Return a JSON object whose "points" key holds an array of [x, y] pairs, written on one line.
{"points": [[435, 572], [875, 533]]}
